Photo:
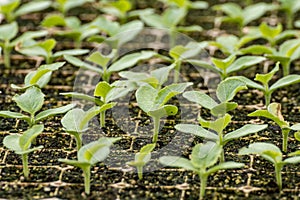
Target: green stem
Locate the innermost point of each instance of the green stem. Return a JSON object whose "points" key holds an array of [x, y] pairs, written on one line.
{"points": [[268, 98], [6, 55], [156, 129], [285, 135], [102, 118], [177, 71], [87, 179], [172, 38], [290, 19], [203, 183], [78, 140], [286, 68], [25, 165], [278, 168], [140, 172]]}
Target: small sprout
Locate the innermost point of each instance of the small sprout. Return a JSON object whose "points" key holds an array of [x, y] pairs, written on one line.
{"points": [[264, 79], [187, 4], [203, 162], [40, 77], [225, 67], [273, 154], [225, 92], [105, 68], [142, 158], [89, 155], [11, 9], [290, 7], [107, 93], [31, 101], [65, 5], [7, 42], [45, 50], [273, 112], [21, 143], [153, 102]]}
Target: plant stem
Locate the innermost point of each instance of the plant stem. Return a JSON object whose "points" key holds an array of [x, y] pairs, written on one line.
{"points": [[102, 118], [268, 98], [285, 135], [87, 179], [140, 172], [6, 55], [25, 165], [177, 71], [203, 183], [78, 140], [278, 168], [286, 68], [156, 129]]}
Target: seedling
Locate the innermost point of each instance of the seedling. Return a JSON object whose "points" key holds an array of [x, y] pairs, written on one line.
{"points": [[21, 143], [8, 32], [107, 93], [215, 130], [290, 8], [40, 77], [73, 28], [153, 102], [65, 5], [186, 4], [273, 154], [45, 49], [264, 79], [142, 158], [273, 112], [225, 67], [89, 155], [169, 20], [203, 162], [105, 67], [12, 9], [31, 101], [242, 16], [225, 92]]}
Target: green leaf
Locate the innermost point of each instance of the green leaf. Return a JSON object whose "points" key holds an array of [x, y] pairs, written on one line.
{"points": [[143, 156], [172, 16], [177, 51], [248, 82], [72, 119], [99, 58], [54, 111], [285, 81], [267, 114], [29, 150], [174, 161], [72, 52], [257, 50], [292, 160], [218, 125], [245, 130], [102, 89], [225, 165], [8, 7], [12, 142], [223, 108], [78, 63], [265, 78], [29, 135], [196, 130], [163, 111], [8, 31], [33, 6], [295, 127], [31, 101], [16, 115], [28, 36], [130, 60], [205, 155], [226, 43], [228, 88], [255, 11], [270, 31], [200, 98], [161, 74], [204, 64], [192, 28], [223, 64], [42, 70], [145, 97], [53, 20], [77, 95], [244, 62], [75, 163]]}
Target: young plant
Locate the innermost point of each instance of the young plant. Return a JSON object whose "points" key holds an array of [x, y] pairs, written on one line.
{"points": [[225, 92], [186, 4], [142, 158], [90, 154], [40, 77], [65, 5], [154, 102], [215, 131], [273, 112], [45, 49], [7, 42], [104, 95], [242, 16], [169, 20], [12, 9], [264, 79], [31, 101], [290, 7], [203, 162], [273, 154], [21, 143], [225, 67], [104, 66]]}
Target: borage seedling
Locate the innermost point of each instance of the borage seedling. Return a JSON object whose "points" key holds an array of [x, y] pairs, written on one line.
{"points": [[273, 154], [142, 158], [203, 162], [273, 112], [21, 143], [290, 7], [7, 42], [104, 94], [31, 101], [89, 155], [153, 102], [264, 79], [65, 5]]}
